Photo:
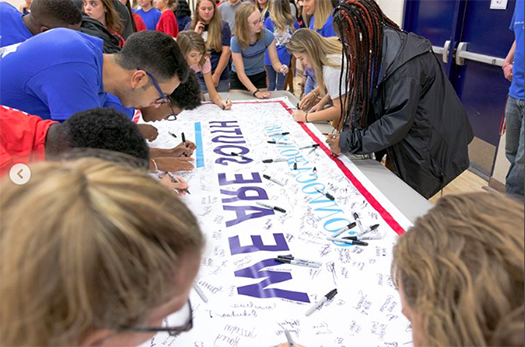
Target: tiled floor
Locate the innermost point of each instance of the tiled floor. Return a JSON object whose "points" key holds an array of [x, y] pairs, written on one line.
{"points": [[466, 182]]}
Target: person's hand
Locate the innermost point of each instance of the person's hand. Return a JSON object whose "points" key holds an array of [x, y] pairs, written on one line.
{"points": [[216, 79], [199, 27], [299, 116], [179, 188], [333, 142], [317, 107], [262, 95], [226, 105], [174, 164], [149, 132], [177, 151], [507, 71], [283, 69], [307, 101]]}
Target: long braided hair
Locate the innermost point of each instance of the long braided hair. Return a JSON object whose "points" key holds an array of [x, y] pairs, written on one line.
{"points": [[360, 24]]}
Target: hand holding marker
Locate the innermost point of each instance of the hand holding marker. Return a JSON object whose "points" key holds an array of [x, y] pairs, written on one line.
{"points": [[185, 143]]}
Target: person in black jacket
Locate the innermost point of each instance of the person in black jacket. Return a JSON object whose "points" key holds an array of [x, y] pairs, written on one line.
{"points": [[401, 100]]}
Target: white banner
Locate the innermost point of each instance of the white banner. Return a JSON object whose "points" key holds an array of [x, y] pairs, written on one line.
{"points": [[251, 296]]}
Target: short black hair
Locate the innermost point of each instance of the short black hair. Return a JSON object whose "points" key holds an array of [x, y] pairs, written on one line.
{"points": [[105, 128], [155, 52], [56, 13], [187, 96], [183, 9]]}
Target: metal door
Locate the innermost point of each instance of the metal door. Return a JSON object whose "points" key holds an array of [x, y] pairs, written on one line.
{"points": [[479, 41]]}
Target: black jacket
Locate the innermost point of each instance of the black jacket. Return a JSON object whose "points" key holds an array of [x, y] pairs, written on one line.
{"points": [[416, 116], [93, 27]]}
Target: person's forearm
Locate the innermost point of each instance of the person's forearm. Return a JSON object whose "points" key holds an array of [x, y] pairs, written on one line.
{"points": [[223, 61], [246, 81], [510, 56], [330, 113]]}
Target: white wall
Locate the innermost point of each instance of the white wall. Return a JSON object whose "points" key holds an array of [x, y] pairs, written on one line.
{"points": [[394, 9]]}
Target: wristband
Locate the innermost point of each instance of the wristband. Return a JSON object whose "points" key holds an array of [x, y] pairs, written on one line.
{"points": [[306, 117], [255, 92], [155, 164], [318, 96]]}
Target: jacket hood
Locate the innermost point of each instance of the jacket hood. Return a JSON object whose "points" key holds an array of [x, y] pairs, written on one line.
{"points": [[399, 47]]}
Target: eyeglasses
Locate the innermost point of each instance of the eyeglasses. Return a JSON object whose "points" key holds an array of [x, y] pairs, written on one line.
{"points": [[173, 115], [175, 324], [260, 20], [163, 99]]}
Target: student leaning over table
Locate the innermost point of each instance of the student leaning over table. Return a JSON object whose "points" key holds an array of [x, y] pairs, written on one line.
{"points": [[249, 44], [25, 138], [91, 267], [60, 72], [105, 12], [460, 273], [323, 56], [404, 104], [45, 15]]}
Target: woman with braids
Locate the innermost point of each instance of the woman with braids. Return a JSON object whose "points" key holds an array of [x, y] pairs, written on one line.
{"points": [[400, 100], [323, 56], [459, 272]]}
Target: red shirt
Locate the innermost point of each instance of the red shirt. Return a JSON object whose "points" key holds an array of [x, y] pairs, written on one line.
{"points": [[168, 23], [139, 23], [22, 138]]}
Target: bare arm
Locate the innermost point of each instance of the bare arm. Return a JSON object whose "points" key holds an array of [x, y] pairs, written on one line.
{"points": [[221, 65]]}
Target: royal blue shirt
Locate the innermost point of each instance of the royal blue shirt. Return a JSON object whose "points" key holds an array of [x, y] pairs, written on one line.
{"points": [[516, 87], [150, 18], [53, 74], [328, 28], [12, 30], [253, 55]]}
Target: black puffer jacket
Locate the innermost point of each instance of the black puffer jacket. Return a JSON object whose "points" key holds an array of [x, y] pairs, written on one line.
{"points": [[93, 27], [417, 117]]}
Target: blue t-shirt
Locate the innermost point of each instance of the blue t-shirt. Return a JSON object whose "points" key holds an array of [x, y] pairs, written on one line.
{"points": [[12, 30], [328, 28], [150, 18], [516, 87], [53, 74], [281, 39], [113, 101], [253, 55]]}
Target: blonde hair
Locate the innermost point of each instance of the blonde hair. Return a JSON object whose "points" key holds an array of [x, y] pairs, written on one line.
{"points": [[323, 10], [317, 48], [214, 40], [100, 250], [262, 9], [189, 40], [461, 271], [281, 15], [242, 29]]}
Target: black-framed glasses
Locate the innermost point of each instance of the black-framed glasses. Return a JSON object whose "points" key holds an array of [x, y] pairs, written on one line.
{"points": [[172, 116], [163, 99], [175, 324]]}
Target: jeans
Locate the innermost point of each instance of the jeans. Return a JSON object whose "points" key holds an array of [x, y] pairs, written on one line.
{"points": [[224, 85], [272, 76], [514, 147], [310, 85]]}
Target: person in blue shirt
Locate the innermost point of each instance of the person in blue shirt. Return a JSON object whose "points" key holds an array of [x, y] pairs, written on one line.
{"points": [[513, 70], [44, 15], [149, 14], [61, 72], [321, 21], [282, 24], [248, 45]]}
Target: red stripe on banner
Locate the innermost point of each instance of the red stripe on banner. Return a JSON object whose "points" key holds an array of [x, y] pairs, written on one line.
{"points": [[387, 217]]}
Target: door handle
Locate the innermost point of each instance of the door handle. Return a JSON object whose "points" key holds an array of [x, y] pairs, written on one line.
{"points": [[462, 54], [444, 51]]}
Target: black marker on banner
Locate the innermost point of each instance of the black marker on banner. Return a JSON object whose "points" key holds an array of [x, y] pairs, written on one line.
{"points": [[278, 209], [240, 156]]}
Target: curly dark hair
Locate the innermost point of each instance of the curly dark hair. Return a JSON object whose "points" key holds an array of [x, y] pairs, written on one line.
{"points": [[183, 9], [154, 52], [188, 95], [105, 128], [56, 13]]}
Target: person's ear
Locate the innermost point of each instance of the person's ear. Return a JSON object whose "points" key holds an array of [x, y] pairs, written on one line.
{"points": [[43, 28], [139, 79]]}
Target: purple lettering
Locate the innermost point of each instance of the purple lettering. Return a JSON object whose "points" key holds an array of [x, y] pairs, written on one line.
{"points": [[258, 245], [256, 178], [242, 215]]}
